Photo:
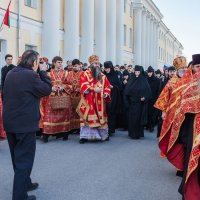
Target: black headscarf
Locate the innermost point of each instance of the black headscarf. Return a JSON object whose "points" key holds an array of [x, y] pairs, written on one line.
{"points": [[112, 76], [138, 87]]}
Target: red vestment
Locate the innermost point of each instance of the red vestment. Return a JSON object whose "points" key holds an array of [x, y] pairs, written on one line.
{"points": [[56, 121], [163, 100], [173, 105], [92, 106], [73, 80], [2, 132], [190, 103]]}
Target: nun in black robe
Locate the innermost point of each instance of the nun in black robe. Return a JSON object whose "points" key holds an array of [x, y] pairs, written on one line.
{"points": [[137, 94], [113, 107]]}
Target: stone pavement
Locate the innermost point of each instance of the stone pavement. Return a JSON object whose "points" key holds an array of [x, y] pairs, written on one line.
{"points": [[121, 169]]}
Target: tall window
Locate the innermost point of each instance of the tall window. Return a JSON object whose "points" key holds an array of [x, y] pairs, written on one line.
{"points": [[131, 38], [125, 35], [31, 3], [30, 47]]}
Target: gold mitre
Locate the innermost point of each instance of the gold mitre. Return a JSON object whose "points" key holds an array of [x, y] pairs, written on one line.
{"points": [[93, 59], [179, 62]]}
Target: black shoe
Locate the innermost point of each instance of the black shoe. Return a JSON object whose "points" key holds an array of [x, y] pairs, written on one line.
{"points": [[151, 130], [179, 173], [31, 197], [107, 139], [82, 141], [65, 137], [45, 138], [33, 186], [135, 138]]}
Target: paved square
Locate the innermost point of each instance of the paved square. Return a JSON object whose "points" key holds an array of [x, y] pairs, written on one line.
{"points": [[121, 169]]}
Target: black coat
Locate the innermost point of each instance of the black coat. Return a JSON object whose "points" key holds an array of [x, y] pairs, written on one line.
{"points": [[163, 82], [154, 84], [115, 104], [23, 89], [4, 72], [137, 109]]}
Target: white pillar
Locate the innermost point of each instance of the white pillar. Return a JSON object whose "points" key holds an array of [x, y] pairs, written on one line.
{"points": [[111, 31], [144, 32], [120, 32], [87, 36], [51, 26], [71, 24], [100, 29], [157, 43], [154, 45], [151, 42], [148, 41], [138, 35]]}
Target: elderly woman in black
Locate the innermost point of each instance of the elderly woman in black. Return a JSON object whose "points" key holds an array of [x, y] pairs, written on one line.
{"points": [[137, 94]]}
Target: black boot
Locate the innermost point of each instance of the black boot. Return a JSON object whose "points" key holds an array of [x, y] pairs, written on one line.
{"points": [[65, 137], [45, 138], [83, 141], [32, 187], [179, 173]]}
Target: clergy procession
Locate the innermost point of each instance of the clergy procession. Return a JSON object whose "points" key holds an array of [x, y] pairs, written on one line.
{"points": [[54, 101]]}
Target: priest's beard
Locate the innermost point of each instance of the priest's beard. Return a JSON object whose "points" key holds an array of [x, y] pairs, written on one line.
{"points": [[96, 73]]}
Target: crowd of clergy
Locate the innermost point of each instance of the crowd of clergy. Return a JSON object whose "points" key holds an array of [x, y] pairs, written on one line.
{"points": [[100, 98]]}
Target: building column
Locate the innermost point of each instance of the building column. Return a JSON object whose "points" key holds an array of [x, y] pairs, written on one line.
{"points": [[100, 29], [156, 45], [71, 25], [120, 32], [151, 42], [87, 35], [111, 31], [144, 43], [147, 53], [51, 29], [138, 35]]}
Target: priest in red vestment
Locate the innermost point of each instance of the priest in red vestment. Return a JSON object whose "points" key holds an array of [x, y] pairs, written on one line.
{"points": [[95, 92], [73, 80], [180, 81], [56, 122], [184, 142]]}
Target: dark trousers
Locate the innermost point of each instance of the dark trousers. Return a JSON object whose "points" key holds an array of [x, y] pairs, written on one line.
{"points": [[22, 150]]}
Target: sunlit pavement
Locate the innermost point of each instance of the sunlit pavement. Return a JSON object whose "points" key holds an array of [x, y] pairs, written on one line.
{"points": [[121, 169]]}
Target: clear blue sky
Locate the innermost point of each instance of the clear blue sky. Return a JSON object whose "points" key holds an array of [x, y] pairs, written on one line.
{"points": [[182, 17]]}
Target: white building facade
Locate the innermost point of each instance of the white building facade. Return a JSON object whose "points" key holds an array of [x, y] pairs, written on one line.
{"points": [[123, 31]]}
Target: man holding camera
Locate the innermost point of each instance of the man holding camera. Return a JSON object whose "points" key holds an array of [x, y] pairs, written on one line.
{"points": [[23, 89]]}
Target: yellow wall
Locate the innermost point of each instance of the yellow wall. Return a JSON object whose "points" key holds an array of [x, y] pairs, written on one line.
{"points": [[33, 13], [13, 7], [26, 11], [10, 36]]}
